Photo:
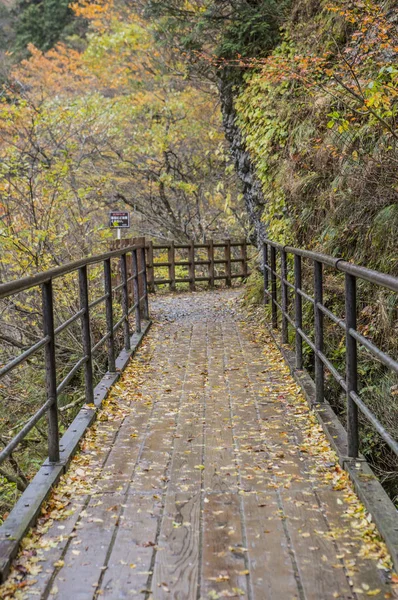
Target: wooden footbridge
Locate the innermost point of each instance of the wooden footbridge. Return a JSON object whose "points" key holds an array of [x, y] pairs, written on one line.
{"points": [[203, 472]]}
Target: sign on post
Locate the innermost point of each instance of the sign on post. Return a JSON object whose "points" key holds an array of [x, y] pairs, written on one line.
{"points": [[119, 219]]}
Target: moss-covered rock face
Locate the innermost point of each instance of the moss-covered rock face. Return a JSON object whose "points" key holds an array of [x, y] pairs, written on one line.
{"points": [[319, 119]]}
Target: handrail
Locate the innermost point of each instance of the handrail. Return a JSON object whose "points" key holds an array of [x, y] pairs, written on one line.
{"points": [[130, 300], [20, 285], [352, 272]]}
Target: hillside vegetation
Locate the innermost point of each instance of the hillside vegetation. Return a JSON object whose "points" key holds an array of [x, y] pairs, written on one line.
{"points": [[319, 118]]}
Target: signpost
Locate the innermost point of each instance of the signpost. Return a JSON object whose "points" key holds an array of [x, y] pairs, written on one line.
{"points": [[119, 219]]}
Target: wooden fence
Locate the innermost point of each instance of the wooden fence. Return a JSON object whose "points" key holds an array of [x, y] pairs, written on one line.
{"points": [[192, 263], [198, 263]]}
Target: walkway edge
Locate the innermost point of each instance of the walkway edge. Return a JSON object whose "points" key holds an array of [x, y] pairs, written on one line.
{"points": [[27, 509], [366, 484]]}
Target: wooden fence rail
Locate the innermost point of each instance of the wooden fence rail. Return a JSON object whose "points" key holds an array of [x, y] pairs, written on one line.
{"points": [[233, 254]]}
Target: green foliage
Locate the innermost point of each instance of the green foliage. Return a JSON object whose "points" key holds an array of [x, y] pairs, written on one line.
{"points": [[226, 30], [43, 23], [319, 118]]}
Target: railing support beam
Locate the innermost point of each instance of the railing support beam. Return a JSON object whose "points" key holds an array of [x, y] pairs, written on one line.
{"points": [[284, 294], [266, 272], [109, 315], [227, 254], [318, 324], [298, 302], [125, 302], [136, 289], [351, 365], [274, 308], [51, 372], [86, 335], [210, 254]]}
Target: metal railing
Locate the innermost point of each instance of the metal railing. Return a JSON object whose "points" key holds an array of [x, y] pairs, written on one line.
{"points": [[233, 254], [130, 302], [280, 305]]}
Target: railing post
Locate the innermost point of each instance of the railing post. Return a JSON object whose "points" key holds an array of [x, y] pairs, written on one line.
{"points": [[172, 268], [109, 315], [136, 289], [125, 301], [266, 273], [244, 259], [139, 243], [86, 334], [284, 297], [191, 260], [210, 253], [273, 289], [145, 282], [351, 365], [151, 268], [318, 322], [227, 251], [129, 263], [298, 302], [51, 373]]}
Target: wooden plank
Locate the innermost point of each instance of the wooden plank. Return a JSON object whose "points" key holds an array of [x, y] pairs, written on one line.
{"points": [[176, 568], [224, 562], [185, 470], [52, 546], [85, 556], [272, 571], [129, 564], [151, 473], [220, 473], [314, 551], [363, 572], [119, 467]]}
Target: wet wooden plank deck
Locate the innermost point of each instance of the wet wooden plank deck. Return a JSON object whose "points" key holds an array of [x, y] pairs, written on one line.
{"points": [[204, 478]]}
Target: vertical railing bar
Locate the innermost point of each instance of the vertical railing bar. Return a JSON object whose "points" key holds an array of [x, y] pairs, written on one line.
{"points": [[244, 259], [227, 253], [145, 281], [284, 297], [136, 290], [266, 273], [51, 373], [151, 268], [86, 334], [125, 301], [109, 315], [298, 301], [172, 269], [274, 289], [211, 263], [318, 323], [191, 261], [351, 365]]}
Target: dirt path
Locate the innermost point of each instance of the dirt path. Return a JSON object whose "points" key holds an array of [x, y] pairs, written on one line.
{"points": [[206, 476]]}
